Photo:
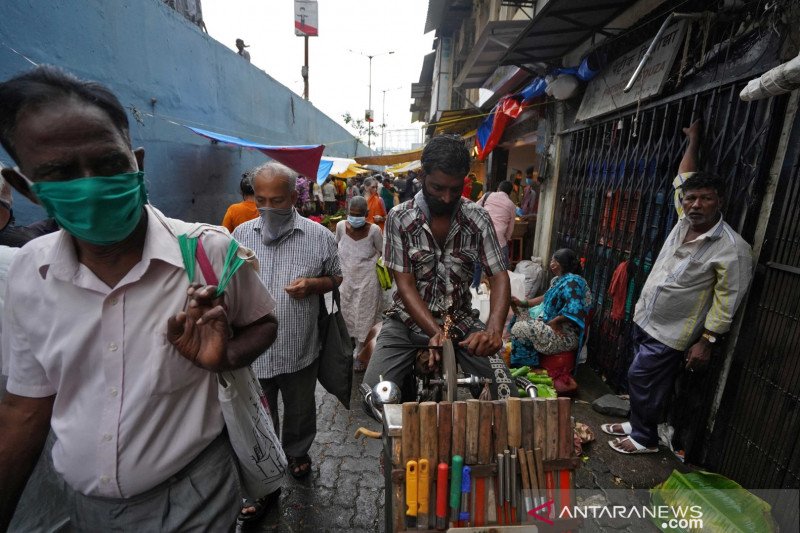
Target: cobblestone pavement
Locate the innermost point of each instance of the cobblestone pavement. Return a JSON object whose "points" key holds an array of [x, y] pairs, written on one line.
{"points": [[345, 489]]}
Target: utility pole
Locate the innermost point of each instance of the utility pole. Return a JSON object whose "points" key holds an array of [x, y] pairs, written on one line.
{"points": [[383, 117], [305, 11], [369, 115], [305, 71], [369, 106]]}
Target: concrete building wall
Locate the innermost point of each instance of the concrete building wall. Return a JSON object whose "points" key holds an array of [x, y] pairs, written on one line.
{"points": [[167, 73]]}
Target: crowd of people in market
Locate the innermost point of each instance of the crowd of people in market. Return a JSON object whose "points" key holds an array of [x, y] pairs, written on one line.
{"points": [[118, 326]]}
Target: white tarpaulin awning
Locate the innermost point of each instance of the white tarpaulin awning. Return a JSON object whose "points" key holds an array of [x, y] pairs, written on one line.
{"points": [[340, 164]]}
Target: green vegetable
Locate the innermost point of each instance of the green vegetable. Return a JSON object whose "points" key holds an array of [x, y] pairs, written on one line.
{"points": [[538, 378], [521, 371], [545, 391]]}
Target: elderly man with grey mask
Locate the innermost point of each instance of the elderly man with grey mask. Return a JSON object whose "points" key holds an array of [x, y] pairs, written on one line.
{"points": [[298, 261]]}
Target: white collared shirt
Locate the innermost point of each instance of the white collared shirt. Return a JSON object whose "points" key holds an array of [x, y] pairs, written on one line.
{"points": [[694, 285], [129, 411]]}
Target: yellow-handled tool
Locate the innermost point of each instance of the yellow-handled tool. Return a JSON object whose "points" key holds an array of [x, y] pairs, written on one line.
{"points": [[423, 494], [411, 495]]}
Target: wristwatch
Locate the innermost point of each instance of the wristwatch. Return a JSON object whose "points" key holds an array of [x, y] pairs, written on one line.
{"points": [[709, 337]]}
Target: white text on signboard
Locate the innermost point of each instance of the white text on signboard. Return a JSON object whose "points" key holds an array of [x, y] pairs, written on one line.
{"points": [[604, 93]]}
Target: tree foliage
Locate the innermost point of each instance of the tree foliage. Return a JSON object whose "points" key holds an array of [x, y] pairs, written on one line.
{"points": [[362, 128]]}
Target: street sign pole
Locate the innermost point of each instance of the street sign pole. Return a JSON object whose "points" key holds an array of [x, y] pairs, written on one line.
{"points": [[305, 71]]}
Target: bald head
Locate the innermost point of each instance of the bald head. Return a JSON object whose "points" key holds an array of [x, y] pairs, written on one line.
{"points": [[275, 185], [273, 170]]}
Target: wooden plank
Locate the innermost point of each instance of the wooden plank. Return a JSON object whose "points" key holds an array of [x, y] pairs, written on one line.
{"points": [[459, 428], [473, 420], [410, 433], [565, 433], [428, 432], [428, 443], [485, 433], [514, 423], [499, 426], [445, 416], [526, 413], [551, 431], [539, 422], [398, 487]]}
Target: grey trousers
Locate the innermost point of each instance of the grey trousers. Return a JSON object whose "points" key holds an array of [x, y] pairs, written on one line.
{"points": [[299, 408], [203, 496], [396, 364]]}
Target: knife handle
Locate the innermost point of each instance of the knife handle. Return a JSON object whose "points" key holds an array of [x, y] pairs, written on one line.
{"points": [[455, 483], [441, 497], [423, 493], [411, 488]]}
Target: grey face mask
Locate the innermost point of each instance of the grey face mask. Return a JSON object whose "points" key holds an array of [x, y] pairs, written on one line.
{"points": [[277, 223]]}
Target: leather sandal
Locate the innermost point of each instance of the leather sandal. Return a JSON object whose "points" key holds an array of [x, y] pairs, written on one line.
{"points": [[299, 467], [261, 506]]}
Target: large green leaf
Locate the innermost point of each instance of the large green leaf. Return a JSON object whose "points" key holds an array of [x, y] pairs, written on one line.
{"points": [[723, 504]]}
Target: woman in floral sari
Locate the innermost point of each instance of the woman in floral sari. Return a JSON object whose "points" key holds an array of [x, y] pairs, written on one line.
{"points": [[564, 311]]}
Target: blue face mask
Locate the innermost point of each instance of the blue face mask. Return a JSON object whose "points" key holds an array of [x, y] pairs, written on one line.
{"points": [[528, 181], [357, 222]]}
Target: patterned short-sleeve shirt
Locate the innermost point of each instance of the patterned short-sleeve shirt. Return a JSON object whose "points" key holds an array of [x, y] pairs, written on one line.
{"points": [[443, 276]]}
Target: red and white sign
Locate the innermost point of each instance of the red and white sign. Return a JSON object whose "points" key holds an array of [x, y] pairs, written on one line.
{"points": [[306, 18]]}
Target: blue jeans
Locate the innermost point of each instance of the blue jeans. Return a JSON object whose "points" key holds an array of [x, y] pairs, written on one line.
{"points": [[476, 277]]}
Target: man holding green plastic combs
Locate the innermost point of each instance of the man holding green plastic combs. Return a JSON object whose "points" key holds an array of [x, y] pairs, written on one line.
{"points": [[104, 338]]}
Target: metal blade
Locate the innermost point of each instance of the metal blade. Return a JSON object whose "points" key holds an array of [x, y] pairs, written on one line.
{"points": [[449, 370]]}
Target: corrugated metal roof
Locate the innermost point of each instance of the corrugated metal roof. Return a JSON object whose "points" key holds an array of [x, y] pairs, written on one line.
{"points": [[559, 27], [445, 16], [455, 121], [489, 49]]}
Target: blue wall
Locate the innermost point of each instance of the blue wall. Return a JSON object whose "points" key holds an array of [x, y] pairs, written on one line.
{"points": [[143, 50]]}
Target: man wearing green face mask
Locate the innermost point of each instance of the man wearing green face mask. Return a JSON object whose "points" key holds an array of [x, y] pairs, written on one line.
{"points": [[103, 336]]}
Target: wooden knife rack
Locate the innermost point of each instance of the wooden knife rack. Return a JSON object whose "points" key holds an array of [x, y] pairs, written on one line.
{"points": [[478, 431]]}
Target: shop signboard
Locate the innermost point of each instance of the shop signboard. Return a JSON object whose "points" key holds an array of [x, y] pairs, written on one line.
{"points": [[604, 93], [306, 18]]}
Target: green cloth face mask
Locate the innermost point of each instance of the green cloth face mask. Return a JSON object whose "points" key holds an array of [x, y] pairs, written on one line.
{"points": [[99, 210]]}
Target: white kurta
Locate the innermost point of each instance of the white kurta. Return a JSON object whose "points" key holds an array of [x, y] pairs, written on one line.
{"points": [[362, 298]]}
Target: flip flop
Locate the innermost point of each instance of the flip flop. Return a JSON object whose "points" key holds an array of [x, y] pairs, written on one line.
{"points": [[261, 505], [616, 446], [299, 467], [607, 429]]}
